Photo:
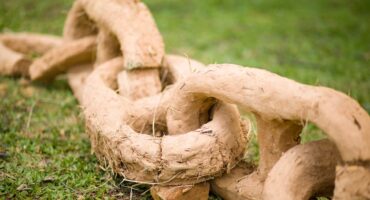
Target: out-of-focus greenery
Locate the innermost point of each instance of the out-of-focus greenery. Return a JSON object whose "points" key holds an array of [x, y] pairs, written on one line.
{"points": [[41, 129]]}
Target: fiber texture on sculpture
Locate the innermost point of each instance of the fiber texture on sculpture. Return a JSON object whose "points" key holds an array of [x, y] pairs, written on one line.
{"points": [[172, 122]]}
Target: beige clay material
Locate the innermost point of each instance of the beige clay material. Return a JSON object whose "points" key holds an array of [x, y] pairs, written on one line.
{"points": [[28, 43], [139, 83], [183, 192], [266, 95], [129, 21], [176, 68], [188, 132], [154, 108], [78, 24], [108, 47], [228, 187], [261, 92], [76, 79], [275, 137], [13, 63], [60, 58], [352, 181], [203, 153], [303, 172]]}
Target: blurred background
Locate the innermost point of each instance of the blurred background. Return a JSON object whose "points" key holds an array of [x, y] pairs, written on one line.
{"points": [[46, 154]]}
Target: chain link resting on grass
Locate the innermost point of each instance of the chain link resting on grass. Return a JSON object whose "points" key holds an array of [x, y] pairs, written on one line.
{"points": [[175, 122]]}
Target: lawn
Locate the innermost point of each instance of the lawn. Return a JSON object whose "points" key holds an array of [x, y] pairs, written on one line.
{"points": [[44, 152]]}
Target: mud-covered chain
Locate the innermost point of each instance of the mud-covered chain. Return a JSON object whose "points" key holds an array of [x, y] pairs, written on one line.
{"points": [[169, 120]]}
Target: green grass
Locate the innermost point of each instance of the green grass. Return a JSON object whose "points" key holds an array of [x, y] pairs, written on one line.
{"points": [[41, 128]]}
